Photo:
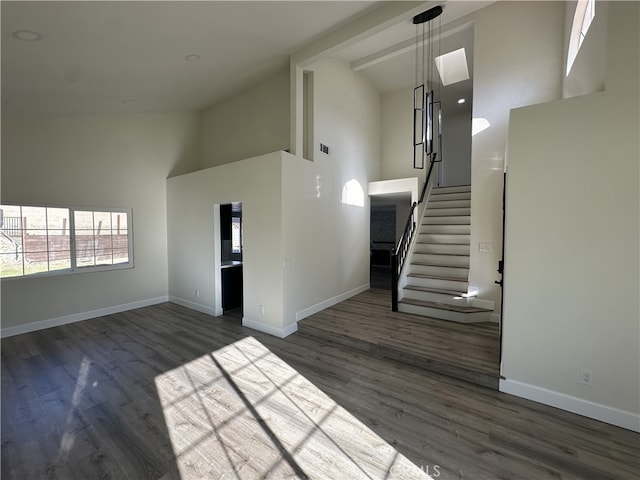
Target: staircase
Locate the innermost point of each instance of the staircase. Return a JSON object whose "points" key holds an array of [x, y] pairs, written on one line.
{"points": [[436, 281]]}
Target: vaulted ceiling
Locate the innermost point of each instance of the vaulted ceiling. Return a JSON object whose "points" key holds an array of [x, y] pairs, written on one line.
{"points": [[116, 57]]}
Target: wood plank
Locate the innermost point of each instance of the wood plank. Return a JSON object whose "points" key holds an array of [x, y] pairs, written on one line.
{"points": [[166, 392], [469, 352]]}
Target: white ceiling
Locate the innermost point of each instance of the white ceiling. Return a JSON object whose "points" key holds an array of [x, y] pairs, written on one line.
{"points": [[94, 56]]}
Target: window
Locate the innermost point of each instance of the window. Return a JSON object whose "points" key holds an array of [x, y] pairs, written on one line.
{"points": [[236, 235], [584, 15], [45, 240], [307, 115]]}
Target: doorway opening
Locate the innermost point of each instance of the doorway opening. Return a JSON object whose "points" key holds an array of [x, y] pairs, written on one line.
{"points": [[230, 228], [388, 216]]}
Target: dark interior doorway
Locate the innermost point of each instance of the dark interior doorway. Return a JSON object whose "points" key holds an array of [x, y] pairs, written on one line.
{"points": [[231, 257], [382, 240], [389, 213]]}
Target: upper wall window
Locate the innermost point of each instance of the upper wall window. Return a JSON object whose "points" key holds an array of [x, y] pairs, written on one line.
{"points": [[584, 15], [53, 240]]}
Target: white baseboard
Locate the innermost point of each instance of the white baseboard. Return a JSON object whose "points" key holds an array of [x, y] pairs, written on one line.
{"points": [[306, 312], [293, 327], [270, 329], [196, 306], [78, 317], [603, 413]]}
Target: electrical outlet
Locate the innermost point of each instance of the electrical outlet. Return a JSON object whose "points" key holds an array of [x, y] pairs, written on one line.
{"points": [[485, 247], [586, 376], [197, 293], [261, 309]]}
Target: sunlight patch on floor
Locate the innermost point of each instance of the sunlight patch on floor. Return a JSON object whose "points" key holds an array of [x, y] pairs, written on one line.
{"points": [[241, 412]]}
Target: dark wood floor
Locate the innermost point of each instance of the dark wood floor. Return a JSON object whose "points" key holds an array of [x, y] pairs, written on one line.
{"points": [[164, 392], [467, 351]]}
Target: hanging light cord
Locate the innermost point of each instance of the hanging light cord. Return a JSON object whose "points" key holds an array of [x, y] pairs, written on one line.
{"points": [[417, 64]]}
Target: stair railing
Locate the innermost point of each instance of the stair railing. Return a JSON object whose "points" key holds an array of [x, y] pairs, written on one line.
{"points": [[400, 251]]}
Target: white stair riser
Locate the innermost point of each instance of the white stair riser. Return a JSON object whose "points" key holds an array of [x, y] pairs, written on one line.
{"points": [[447, 220], [434, 259], [454, 239], [458, 189], [444, 314], [446, 229], [462, 273], [459, 286], [435, 297], [442, 250], [434, 248], [450, 196], [437, 203], [441, 212]]}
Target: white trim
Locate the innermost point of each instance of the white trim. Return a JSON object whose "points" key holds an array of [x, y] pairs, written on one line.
{"points": [[306, 312], [195, 306], [270, 329], [78, 317], [603, 413]]}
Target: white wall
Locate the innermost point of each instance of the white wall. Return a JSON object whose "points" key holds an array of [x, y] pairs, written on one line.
{"points": [[256, 182], [397, 128], [253, 122], [456, 149], [515, 64], [572, 260], [326, 241], [96, 161]]}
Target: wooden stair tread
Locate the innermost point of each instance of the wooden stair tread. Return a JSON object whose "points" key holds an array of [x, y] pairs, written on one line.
{"points": [[443, 254], [437, 277], [444, 306], [441, 243], [446, 220], [440, 291], [448, 215], [449, 188], [439, 265]]}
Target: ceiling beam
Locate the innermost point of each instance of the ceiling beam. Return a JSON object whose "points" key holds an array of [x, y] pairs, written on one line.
{"points": [[358, 29], [400, 48]]}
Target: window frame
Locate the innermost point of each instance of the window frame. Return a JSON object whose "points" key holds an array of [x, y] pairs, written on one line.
{"points": [[583, 16], [74, 268], [238, 217]]}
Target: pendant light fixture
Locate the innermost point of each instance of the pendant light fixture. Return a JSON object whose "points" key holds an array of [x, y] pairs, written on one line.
{"points": [[426, 101]]}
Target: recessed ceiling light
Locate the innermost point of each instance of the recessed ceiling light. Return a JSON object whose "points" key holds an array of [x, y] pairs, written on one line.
{"points": [[461, 100], [27, 35], [194, 57], [128, 100]]}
